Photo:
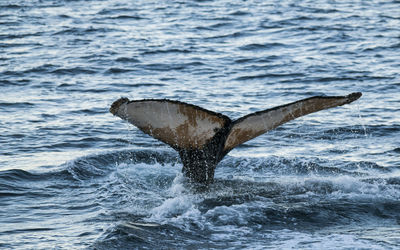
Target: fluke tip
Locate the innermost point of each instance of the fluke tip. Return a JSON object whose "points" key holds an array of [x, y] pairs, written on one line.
{"points": [[354, 96], [114, 107]]}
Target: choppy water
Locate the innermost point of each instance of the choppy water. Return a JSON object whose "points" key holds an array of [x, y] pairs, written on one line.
{"points": [[74, 176]]}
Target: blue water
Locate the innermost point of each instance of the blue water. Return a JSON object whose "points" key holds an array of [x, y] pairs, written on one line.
{"points": [[73, 176]]}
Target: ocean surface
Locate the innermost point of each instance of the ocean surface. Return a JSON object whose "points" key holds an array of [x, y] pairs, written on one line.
{"points": [[73, 176]]}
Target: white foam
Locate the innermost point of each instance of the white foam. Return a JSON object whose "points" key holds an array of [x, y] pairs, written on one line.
{"points": [[177, 209]]}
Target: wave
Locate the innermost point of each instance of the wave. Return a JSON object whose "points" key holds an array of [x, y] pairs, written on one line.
{"points": [[11, 6], [73, 71], [82, 31], [236, 35], [18, 105], [127, 59], [263, 60], [108, 11], [19, 36], [51, 69], [396, 150], [231, 168], [231, 206], [171, 67], [250, 194], [257, 46], [254, 174], [269, 75], [127, 17], [16, 44], [139, 85], [102, 164], [115, 70], [166, 51]]}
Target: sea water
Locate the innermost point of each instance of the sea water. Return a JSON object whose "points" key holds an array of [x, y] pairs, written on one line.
{"points": [[73, 176]]}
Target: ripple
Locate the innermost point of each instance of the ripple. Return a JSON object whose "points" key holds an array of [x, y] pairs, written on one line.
{"points": [[140, 85], [11, 6], [396, 150], [229, 35], [82, 31], [256, 47], [73, 71], [19, 36], [118, 70], [16, 105], [167, 51], [108, 11], [17, 45], [171, 67], [18, 231], [127, 59], [127, 17], [269, 76]]}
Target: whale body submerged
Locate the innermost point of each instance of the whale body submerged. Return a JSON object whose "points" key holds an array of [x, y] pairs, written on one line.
{"points": [[203, 137]]}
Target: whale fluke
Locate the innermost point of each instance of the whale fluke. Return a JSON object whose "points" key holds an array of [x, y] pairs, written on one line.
{"points": [[178, 124], [255, 124], [202, 137]]}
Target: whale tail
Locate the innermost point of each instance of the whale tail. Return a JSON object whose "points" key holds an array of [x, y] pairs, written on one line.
{"points": [[204, 137]]}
